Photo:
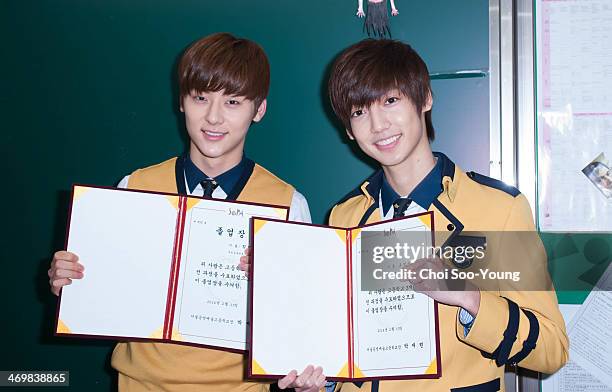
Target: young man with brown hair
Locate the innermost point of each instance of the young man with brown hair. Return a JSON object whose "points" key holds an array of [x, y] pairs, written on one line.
{"points": [[380, 90], [223, 82]]}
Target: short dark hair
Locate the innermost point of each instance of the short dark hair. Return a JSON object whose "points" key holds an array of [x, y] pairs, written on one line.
{"points": [[366, 71], [221, 61]]}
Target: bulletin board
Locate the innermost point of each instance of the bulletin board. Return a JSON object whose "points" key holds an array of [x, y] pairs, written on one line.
{"points": [[574, 115], [573, 52]]}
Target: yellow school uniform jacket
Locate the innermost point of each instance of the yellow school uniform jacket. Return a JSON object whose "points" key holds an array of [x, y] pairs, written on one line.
{"points": [[471, 202], [174, 367]]}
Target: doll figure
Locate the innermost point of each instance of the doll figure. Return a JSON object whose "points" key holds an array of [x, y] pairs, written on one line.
{"points": [[377, 19]]}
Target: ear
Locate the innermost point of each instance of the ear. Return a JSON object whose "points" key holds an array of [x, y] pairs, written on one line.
{"points": [[261, 111], [349, 133], [428, 103], [181, 105]]}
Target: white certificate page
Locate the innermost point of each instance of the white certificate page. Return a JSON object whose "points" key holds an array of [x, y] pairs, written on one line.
{"points": [[299, 299], [211, 306], [124, 240], [395, 328]]}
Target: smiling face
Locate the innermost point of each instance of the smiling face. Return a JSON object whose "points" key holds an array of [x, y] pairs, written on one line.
{"points": [[223, 83], [391, 130], [217, 125]]}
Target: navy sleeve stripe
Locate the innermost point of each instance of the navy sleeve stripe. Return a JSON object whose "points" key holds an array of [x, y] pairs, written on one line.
{"points": [[490, 386], [530, 343], [502, 352]]}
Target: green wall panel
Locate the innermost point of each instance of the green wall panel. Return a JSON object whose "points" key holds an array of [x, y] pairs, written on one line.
{"points": [[89, 96]]}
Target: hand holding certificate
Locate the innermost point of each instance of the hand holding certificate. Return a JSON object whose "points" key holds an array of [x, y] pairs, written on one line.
{"points": [[159, 266]]}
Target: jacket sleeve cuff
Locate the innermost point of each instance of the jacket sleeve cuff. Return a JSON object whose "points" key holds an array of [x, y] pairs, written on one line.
{"points": [[488, 328]]}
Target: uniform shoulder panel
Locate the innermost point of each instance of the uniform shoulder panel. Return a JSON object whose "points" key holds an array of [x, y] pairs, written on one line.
{"points": [[373, 181], [493, 183], [269, 175], [355, 192], [162, 165]]}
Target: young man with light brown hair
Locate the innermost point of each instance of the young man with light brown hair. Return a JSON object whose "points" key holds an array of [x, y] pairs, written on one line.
{"points": [[223, 83], [380, 90]]}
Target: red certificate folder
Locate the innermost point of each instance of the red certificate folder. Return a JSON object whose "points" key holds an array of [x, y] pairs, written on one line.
{"points": [[307, 306], [159, 267]]}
